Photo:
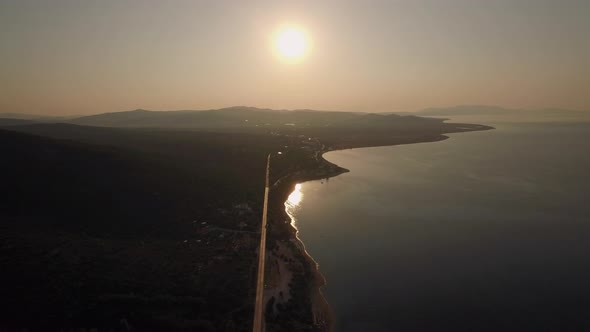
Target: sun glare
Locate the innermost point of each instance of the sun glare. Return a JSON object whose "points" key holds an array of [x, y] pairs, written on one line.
{"points": [[291, 44], [296, 196]]}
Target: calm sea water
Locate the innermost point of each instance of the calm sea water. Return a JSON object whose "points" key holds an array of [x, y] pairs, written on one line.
{"points": [[486, 231]]}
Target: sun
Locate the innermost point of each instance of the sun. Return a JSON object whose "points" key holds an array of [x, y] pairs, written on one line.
{"points": [[291, 44]]}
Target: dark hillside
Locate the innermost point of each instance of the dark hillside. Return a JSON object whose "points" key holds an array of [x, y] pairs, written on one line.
{"points": [[76, 186], [105, 236]]}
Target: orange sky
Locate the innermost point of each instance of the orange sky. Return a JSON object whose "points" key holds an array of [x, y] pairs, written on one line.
{"points": [[73, 57]]}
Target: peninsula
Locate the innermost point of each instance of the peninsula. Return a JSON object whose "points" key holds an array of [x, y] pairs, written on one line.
{"points": [[147, 219]]}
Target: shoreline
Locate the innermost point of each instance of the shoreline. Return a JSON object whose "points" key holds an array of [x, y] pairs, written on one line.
{"points": [[323, 317], [322, 313]]}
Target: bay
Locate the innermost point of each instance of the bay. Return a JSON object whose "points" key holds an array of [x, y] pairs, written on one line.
{"points": [[485, 231]]}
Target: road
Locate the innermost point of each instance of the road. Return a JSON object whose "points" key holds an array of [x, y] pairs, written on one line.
{"points": [[258, 306]]}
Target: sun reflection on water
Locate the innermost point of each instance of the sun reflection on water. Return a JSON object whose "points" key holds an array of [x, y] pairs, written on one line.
{"points": [[296, 196], [292, 203]]}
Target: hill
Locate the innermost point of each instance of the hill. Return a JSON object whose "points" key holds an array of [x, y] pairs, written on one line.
{"points": [[233, 117]]}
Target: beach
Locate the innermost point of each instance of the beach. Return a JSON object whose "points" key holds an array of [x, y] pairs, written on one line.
{"points": [[321, 313]]}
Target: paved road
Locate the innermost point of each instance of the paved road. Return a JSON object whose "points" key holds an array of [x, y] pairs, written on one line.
{"points": [[258, 306]]}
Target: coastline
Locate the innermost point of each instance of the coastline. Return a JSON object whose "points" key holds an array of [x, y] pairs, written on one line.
{"points": [[323, 317]]}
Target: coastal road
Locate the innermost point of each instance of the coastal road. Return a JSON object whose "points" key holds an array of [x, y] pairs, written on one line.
{"points": [[258, 306]]}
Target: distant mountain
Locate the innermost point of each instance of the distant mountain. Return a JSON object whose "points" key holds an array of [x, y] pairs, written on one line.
{"points": [[221, 118], [466, 110], [35, 117], [15, 122], [250, 117], [482, 110]]}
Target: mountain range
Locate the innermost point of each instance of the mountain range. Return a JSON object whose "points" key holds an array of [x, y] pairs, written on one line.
{"points": [[241, 116]]}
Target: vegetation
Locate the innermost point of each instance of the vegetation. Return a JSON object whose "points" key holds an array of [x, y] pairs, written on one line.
{"points": [[156, 229]]}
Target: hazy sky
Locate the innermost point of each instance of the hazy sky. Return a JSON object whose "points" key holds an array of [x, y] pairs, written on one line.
{"points": [[79, 57]]}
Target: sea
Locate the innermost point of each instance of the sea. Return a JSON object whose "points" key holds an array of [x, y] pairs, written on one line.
{"points": [[484, 231]]}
